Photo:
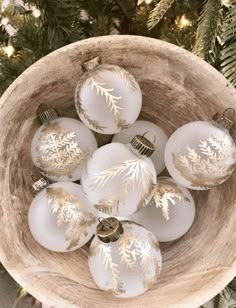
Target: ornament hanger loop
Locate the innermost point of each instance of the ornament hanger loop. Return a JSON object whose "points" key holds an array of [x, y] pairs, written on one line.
{"points": [[154, 139], [229, 110], [104, 222]]}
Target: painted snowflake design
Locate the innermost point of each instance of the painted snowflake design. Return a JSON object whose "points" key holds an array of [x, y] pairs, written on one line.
{"points": [[59, 152]]}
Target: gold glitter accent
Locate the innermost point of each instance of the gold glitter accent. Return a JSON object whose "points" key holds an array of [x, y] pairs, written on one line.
{"points": [[165, 194], [127, 252], [59, 153], [210, 167], [71, 211], [135, 176], [78, 226], [126, 76], [104, 252], [78, 104]]}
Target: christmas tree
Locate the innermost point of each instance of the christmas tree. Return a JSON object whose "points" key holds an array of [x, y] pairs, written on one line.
{"points": [[30, 29]]}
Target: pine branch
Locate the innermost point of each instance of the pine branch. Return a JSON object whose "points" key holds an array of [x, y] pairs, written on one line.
{"points": [[158, 13], [209, 24], [228, 53], [218, 301]]}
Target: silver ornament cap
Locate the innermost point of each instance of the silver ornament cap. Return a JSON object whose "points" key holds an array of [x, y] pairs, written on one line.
{"points": [[91, 64], [109, 229], [224, 120], [142, 145], [46, 114], [39, 185]]}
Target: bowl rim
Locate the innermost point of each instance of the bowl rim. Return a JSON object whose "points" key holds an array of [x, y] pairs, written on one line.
{"points": [[224, 274]]}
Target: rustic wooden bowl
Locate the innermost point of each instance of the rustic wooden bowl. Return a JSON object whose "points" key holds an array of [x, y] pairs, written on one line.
{"points": [[177, 88]]}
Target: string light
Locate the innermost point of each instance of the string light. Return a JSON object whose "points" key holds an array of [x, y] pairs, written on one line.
{"points": [[5, 21], [9, 50], [36, 12], [183, 22], [146, 1]]}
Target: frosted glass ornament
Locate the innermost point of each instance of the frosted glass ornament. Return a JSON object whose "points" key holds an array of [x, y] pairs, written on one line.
{"points": [[119, 178], [61, 147], [127, 266], [153, 133], [108, 99], [171, 212], [60, 216], [201, 154]]}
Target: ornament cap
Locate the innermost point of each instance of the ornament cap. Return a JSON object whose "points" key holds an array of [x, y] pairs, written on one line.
{"points": [[39, 185], [109, 229], [142, 145], [46, 114], [91, 64], [225, 120]]}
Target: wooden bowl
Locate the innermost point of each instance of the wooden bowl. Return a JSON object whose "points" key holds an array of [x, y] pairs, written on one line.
{"points": [[177, 88]]}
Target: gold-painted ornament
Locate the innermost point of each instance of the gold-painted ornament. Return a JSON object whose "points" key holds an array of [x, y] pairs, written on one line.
{"points": [[120, 178], [61, 146], [171, 212], [202, 154], [108, 99], [128, 265], [60, 216]]}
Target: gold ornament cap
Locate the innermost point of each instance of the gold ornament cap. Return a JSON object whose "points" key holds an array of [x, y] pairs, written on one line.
{"points": [[39, 185], [109, 229], [91, 64], [142, 145], [224, 120], [46, 114]]}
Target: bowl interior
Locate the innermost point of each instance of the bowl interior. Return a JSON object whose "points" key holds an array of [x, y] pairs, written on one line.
{"points": [[177, 88]]}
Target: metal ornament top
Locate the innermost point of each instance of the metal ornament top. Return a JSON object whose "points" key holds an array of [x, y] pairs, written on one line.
{"points": [[224, 120], [46, 114], [39, 185], [91, 64], [109, 229], [143, 145]]}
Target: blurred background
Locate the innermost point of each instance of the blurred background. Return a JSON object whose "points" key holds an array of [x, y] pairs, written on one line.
{"points": [[31, 29]]}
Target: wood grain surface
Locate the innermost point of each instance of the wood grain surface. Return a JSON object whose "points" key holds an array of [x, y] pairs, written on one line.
{"points": [[177, 88]]}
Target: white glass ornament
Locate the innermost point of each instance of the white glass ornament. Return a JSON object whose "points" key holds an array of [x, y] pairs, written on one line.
{"points": [[171, 212], [107, 98], [61, 146], [60, 216], [152, 131], [201, 154], [119, 178], [125, 259]]}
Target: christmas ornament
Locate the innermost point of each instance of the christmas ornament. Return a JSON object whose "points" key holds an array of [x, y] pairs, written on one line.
{"points": [[201, 154], [61, 146], [60, 216], [124, 258], [170, 213], [150, 130], [107, 98], [120, 178]]}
